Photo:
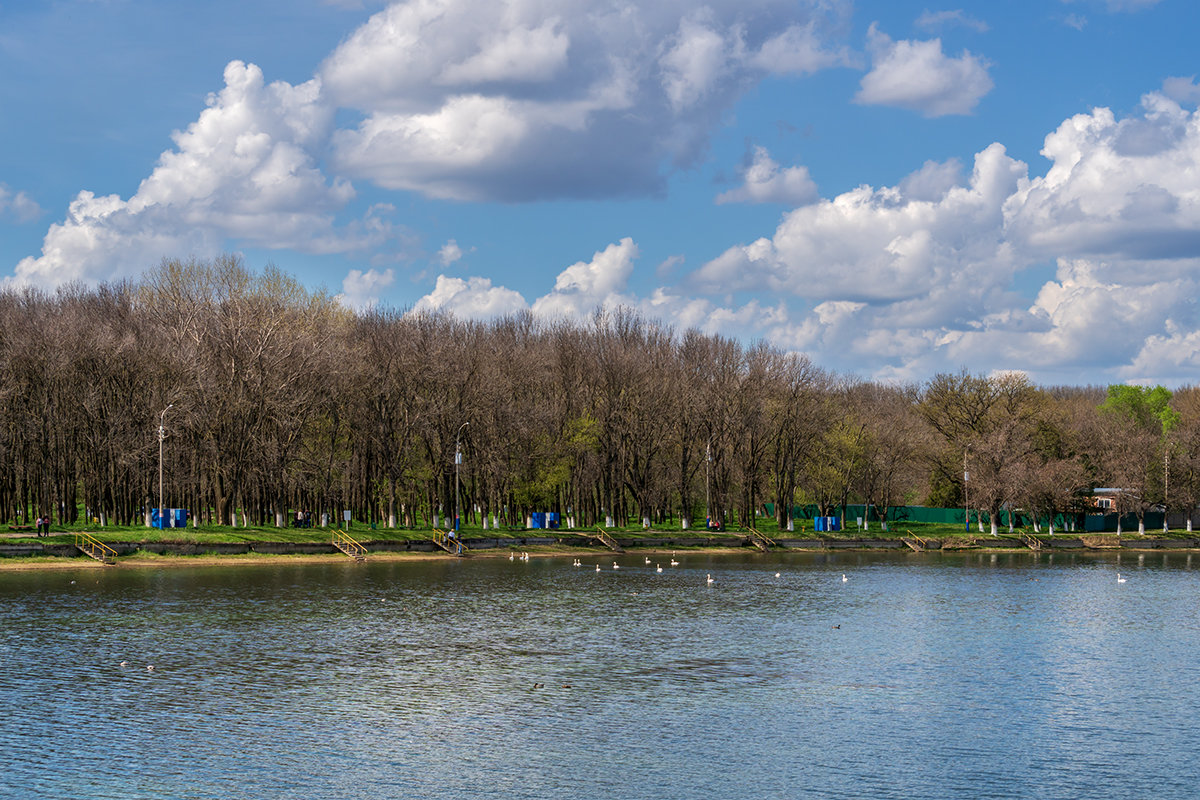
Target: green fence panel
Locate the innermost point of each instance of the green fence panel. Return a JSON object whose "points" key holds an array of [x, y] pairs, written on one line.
{"points": [[1107, 523], [954, 516]]}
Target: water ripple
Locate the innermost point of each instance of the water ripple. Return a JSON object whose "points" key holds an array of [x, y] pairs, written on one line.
{"points": [[922, 677]]}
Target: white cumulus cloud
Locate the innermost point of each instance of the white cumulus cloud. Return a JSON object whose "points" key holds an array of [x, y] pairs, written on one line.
{"points": [[449, 253], [918, 76], [472, 298], [765, 182], [244, 169], [1182, 90], [511, 100], [361, 290], [1119, 189], [585, 285], [908, 280]]}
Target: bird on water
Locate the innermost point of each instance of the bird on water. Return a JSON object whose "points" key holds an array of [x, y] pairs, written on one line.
{"points": [[1119, 578]]}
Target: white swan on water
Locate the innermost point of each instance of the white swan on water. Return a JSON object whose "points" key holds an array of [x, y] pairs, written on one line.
{"points": [[710, 580], [1119, 578], [659, 567], [844, 578]]}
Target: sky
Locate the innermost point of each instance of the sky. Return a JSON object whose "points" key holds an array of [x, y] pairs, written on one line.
{"points": [[895, 188]]}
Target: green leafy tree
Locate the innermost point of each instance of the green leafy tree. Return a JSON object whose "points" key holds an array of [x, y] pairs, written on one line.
{"points": [[1140, 420]]}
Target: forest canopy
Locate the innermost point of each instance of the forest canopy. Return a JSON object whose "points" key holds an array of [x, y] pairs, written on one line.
{"points": [[274, 398]]}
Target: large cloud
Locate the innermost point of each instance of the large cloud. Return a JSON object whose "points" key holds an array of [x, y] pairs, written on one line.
{"points": [[515, 100], [910, 279], [244, 169], [510, 100], [879, 245], [902, 282], [1120, 189]]}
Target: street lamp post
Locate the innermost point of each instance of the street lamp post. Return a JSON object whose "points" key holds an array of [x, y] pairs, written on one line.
{"points": [[457, 461], [966, 503], [162, 435], [1166, 486]]}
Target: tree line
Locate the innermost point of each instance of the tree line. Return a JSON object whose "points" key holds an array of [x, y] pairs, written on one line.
{"points": [[274, 399]]}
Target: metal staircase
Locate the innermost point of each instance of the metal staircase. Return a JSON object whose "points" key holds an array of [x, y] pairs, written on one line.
{"points": [[608, 541], [94, 548], [760, 540], [348, 545], [453, 545]]}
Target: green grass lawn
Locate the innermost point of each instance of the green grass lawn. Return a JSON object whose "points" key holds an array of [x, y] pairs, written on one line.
{"points": [[214, 534]]}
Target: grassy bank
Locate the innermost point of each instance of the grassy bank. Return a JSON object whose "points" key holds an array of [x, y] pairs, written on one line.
{"points": [[225, 534], [196, 539]]}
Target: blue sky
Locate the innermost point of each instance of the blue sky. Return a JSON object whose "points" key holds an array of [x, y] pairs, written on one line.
{"points": [[894, 188]]}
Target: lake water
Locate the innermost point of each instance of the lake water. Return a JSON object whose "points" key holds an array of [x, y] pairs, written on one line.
{"points": [[919, 676]]}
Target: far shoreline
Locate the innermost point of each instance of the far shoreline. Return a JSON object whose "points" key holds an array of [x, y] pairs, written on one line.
{"points": [[197, 555]]}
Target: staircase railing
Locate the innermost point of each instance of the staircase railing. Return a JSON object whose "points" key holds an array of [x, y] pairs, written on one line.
{"points": [[349, 545], [608, 541], [453, 545], [94, 548], [761, 540]]}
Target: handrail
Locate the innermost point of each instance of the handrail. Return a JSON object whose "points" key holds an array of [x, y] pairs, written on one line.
{"points": [[94, 548], [349, 545], [451, 544], [608, 541], [761, 540], [1032, 542], [914, 542]]}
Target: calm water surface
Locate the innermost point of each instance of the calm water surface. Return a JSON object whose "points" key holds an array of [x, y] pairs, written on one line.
{"points": [[920, 676]]}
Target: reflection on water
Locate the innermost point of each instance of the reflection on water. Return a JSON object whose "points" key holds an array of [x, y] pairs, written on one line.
{"points": [[941, 676]]}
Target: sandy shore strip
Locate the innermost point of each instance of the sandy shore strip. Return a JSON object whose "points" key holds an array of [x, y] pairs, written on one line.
{"points": [[19, 563]]}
